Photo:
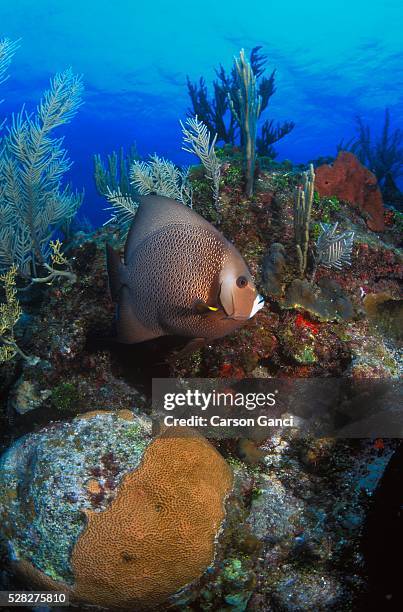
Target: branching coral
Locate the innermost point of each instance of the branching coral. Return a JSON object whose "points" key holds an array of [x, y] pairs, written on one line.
{"points": [[113, 175], [7, 50], [158, 176], [302, 216], [214, 112], [10, 313], [270, 134], [57, 258], [161, 177], [201, 145], [247, 114], [33, 202], [333, 249], [123, 208], [384, 155]]}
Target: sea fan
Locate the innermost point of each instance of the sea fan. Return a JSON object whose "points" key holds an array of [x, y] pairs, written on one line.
{"points": [[33, 203], [198, 137], [122, 206], [161, 177], [112, 174], [334, 249], [7, 49]]}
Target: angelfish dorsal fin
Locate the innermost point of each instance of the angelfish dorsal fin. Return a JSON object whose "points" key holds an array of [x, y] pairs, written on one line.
{"points": [[156, 212]]}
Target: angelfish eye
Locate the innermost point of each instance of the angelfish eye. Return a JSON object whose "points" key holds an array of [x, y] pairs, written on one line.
{"points": [[241, 281]]}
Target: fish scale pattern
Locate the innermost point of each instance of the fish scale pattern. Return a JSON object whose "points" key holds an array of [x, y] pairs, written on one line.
{"points": [[189, 270]]}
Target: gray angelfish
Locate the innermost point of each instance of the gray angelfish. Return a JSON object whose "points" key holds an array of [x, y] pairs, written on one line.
{"points": [[180, 276]]}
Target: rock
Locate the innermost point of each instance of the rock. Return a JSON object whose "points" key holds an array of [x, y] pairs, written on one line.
{"points": [[307, 533], [297, 592], [92, 506], [273, 269], [386, 313], [274, 509], [352, 182], [26, 395], [372, 356], [326, 301]]}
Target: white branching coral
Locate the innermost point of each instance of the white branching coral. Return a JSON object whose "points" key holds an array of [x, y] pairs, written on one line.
{"points": [[200, 144], [333, 249], [33, 202], [7, 49], [159, 176], [123, 207]]}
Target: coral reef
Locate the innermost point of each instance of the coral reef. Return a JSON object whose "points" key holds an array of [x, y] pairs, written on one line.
{"points": [[325, 301], [126, 508], [351, 182], [108, 505], [298, 506]]}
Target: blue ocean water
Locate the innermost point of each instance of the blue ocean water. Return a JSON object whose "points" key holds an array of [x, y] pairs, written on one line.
{"points": [[333, 61]]}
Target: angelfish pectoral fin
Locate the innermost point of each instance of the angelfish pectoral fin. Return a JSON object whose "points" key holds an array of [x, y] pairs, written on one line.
{"points": [[200, 307]]}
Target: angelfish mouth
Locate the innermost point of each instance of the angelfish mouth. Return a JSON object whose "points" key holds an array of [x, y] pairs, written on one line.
{"points": [[257, 305]]}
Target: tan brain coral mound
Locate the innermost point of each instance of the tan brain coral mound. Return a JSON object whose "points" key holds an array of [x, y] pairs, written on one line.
{"points": [[158, 533]]}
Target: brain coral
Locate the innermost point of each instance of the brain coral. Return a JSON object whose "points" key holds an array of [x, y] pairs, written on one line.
{"points": [[99, 509]]}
